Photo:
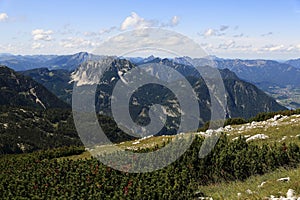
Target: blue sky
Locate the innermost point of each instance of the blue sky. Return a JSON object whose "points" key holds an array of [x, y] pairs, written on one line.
{"points": [[230, 29]]}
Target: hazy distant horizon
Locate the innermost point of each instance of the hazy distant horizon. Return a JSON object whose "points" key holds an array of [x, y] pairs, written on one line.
{"points": [[225, 58]]}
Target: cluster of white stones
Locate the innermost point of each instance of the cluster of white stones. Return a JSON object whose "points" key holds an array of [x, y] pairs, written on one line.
{"points": [[277, 120]]}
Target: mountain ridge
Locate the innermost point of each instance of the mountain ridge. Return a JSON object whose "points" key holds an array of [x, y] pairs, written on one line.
{"points": [[244, 99], [19, 90]]}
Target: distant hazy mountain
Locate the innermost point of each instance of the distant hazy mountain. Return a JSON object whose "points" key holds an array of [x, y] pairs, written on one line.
{"points": [[281, 80], [294, 63], [139, 60], [19, 90], [267, 72], [263, 73], [67, 62], [20, 63]]}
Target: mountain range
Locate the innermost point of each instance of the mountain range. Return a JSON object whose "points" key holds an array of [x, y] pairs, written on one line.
{"points": [[278, 79], [43, 90], [243, 99], [294, 63]]}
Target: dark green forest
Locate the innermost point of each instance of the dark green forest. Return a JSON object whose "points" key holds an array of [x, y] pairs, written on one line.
{"points": [[24, 130], [40, 175]]}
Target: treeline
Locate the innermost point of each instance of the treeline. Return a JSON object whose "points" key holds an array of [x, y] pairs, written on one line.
{"points": [[26, 177]]}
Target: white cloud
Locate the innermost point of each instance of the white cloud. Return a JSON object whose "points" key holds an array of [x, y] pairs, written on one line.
{"points": [[224, 28], [67, 30], [108, 30], [14, 48], [3, 17], [209, 32], [244, 46], [273, 48], [40, 34], [7, 48], [227, 45], [279, 48], [239, 35], [150, 41], [90, 34], [267, 34], [207, 45], [290, 48], [118, 38], [77, 43], [175, 21], [37, 45], [135, 21], [101, 32], [173, 40], [215, 32]]}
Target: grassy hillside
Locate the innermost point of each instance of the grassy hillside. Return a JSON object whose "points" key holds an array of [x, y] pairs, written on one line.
{"points": [[257, 187], [283, 130]]}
